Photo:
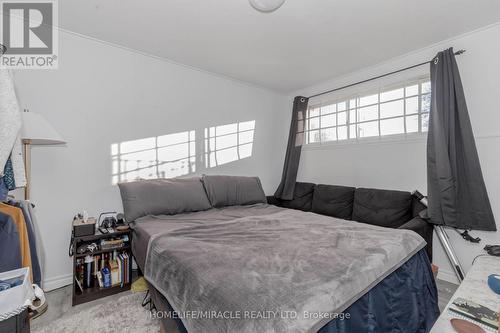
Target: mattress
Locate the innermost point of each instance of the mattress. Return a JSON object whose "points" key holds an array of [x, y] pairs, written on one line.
{"points": [[151, 227]]}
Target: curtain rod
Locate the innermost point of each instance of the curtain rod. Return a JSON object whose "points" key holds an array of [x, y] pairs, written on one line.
{"points": [[459, 52]]}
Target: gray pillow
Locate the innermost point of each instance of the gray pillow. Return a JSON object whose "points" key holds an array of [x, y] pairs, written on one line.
{"points": [[233, 191], [163, 197]]}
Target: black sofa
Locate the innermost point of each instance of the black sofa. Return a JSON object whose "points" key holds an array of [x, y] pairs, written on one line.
{"points": [[386, 208]]}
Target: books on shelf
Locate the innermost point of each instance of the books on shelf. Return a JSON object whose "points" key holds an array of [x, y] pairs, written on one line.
{"points": [[104, 270], [78, 284], [115, 273], [475, 313], [99, 279]]}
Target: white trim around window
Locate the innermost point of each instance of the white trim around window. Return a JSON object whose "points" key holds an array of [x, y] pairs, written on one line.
{"points": [[393, 113]]}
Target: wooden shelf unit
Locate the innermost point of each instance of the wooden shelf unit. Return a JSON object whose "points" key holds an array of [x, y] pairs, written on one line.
{"points": [[102, 251], [90, 294]]}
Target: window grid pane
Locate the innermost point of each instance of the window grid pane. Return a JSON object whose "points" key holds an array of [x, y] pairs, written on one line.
{"points": [[397, 110], [405, 108]]}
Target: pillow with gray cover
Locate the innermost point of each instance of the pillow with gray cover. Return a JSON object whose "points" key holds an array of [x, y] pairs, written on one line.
{"points": [[163, 197], [233, 190]]}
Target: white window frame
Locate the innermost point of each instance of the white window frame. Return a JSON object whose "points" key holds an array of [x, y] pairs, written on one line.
{"points": [[412, 136]]}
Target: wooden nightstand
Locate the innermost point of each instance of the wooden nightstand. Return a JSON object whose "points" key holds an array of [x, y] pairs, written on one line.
{"points": [[114, 256]]}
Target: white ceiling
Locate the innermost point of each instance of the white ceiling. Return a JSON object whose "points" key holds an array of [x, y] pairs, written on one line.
{"points": [[302, 43]]}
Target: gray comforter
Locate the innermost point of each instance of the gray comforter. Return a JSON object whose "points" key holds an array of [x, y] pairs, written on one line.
{"points": [[269, 269]]}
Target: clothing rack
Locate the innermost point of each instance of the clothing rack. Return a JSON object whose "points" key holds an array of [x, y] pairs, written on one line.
{"points": [[19, 246], [459, 52]]}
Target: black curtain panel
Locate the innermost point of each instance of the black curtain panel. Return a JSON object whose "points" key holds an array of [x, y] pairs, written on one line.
{"points": [[457, 194], [292, 158]]}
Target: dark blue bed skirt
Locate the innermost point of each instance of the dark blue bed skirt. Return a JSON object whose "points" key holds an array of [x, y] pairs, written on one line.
{"points": [[404, 302]]}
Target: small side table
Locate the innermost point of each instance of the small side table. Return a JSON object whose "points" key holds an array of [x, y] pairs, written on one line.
{"points": [[475, 288], [95, 291]]}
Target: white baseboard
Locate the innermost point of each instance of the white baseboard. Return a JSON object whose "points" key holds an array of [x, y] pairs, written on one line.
{"points": [[447, 276], [57, 282]]}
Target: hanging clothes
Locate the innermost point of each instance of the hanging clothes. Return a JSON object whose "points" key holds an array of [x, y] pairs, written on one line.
{"points": [[7, 182], [10, 117], [35, 262], [8, 176], [18, 163], [17, 216], [10, 128], [10, 248], [3, 190], [39, 248]]}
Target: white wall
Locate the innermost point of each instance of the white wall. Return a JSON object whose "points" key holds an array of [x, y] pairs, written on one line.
{"points": [[402, 164], [102, 94]]}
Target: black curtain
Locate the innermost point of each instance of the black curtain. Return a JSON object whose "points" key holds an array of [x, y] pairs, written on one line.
{"points": [[457, 194], [292, 158]]}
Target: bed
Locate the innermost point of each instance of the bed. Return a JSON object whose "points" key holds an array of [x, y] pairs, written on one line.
{"points": [[241, 265]]}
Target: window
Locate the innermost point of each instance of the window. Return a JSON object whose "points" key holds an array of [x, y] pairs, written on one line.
{"points": [[401, 109]]}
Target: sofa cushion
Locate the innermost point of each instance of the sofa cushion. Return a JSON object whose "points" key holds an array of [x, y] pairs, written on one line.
{"points": [[424, 229], [416, 206], [382, 207], [302, 197], [333, 201]]}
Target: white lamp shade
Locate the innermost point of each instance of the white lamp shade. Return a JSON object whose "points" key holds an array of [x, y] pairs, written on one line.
{"points": [[266, 5], [38, 131]]}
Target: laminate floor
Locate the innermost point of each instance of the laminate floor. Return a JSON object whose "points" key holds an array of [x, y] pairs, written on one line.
{"points": [[445, 292]]}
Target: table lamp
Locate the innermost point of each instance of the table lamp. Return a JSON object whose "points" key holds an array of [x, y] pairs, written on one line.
{"points": [[36, 130]]}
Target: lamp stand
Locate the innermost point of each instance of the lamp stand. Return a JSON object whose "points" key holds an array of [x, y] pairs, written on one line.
{"points": [[444, 239], [450, 252], [27, 167]]}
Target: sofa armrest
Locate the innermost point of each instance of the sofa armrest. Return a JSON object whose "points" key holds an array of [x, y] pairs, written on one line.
{"points": [[272, 200], [424, 229]]}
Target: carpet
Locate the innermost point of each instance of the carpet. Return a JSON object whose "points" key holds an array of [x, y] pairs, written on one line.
{"points": [[125, 315]]}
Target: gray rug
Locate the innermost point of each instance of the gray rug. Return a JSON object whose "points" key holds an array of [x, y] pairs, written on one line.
{"points": [[123, 315]]}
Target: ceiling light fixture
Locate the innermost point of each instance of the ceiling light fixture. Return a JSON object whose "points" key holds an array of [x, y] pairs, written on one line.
{"points": [[266, 6]]}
